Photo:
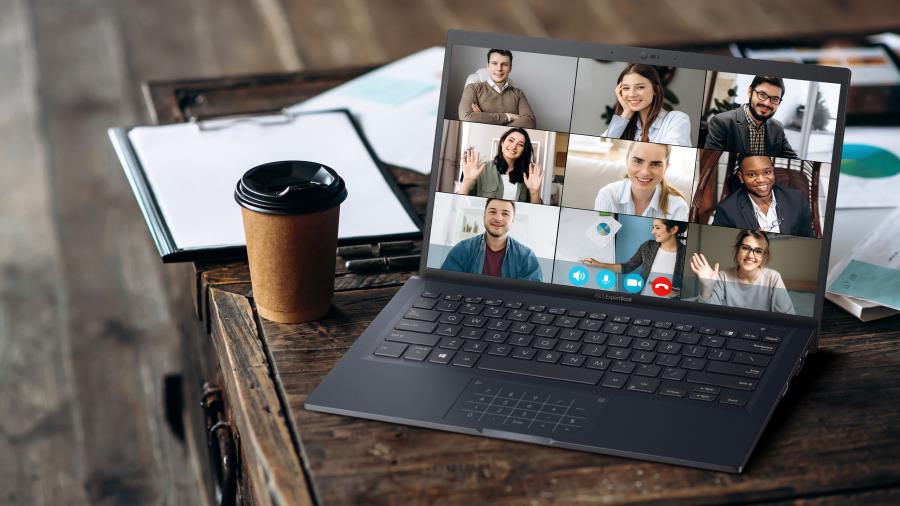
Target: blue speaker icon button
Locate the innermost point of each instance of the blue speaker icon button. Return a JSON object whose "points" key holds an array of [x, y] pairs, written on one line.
{"points": [[606, 279], [578, 276], [634, 283]]}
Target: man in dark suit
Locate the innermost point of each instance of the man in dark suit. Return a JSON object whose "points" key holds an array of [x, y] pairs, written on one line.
{"points": [[750, 129], [760, 204]]}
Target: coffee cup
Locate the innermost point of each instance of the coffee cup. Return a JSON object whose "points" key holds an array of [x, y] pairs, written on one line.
{"points": [[290, 211]]}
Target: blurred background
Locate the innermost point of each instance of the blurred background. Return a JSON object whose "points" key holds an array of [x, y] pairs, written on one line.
{"points": [[89, 316]]}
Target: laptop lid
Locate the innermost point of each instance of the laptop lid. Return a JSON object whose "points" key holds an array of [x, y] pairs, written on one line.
{"points": [[689, 181]]}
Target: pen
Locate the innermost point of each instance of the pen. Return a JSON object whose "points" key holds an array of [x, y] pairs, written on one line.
{"points": [[383, 263], [380, 249]]}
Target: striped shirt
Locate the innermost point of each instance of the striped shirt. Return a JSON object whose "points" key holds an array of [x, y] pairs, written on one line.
{"points": [[757, 133]]}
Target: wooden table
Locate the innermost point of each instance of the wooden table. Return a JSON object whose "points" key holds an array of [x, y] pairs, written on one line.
{"points": [[834, 439]]}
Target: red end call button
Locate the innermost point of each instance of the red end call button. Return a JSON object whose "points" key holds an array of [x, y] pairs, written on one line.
{"points": [[662, 286]]}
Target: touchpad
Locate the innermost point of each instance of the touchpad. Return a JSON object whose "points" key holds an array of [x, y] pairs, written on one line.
{"points": [[520, 408]]}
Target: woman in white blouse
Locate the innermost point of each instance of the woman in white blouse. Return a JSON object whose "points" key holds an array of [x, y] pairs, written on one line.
{"points": [[639, 94]]}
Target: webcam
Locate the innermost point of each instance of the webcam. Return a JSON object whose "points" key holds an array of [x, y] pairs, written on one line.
{"points": [[643, 55]]}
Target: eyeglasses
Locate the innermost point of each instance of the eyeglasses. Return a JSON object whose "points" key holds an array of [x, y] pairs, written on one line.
{"points": [[763, 96], [748, 250]]}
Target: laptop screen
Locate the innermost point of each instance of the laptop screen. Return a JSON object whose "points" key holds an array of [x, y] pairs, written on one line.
{"points": [[634, 176]]}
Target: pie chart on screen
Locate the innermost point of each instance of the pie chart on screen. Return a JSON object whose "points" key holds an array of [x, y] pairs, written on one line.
{"points": [[603, 229], [867, 161]]}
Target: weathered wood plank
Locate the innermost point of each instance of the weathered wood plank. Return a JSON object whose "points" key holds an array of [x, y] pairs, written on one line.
{"points": [[266, 444]]}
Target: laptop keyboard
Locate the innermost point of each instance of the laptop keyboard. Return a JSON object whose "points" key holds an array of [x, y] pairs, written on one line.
{"points": [[668, 358]]}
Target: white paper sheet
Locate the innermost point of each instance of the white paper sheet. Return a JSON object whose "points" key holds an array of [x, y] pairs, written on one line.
{"points": [[396, 106], [870, 168], [193, 173]]}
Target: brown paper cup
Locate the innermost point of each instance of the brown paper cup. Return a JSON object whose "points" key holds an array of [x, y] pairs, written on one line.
{"points": [[292, 263]]}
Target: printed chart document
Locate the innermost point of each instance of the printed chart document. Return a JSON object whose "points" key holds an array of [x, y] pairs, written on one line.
{"points": [[192, 170], [396, 106]]}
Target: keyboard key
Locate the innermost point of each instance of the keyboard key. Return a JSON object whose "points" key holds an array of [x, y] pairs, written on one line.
{"points": [[430, 294], [615, 328], [707, 389], [455, 297], [733, 400], [749, 335], [688, 338], [448, 330], [520, 340], [594, 350], [577, 313], [391, 350], [551, 357], [747, 371], [721, 380], [751, 359], [639, 331], [545, 343], [519, 315], [674, 374], [700, 396], [622, 367], [546, 331], [500, 325], [522, 328], [464, 359], [451, 343], [424, 303], [540, 370], [728, 333], [663, 334], [446, 306], [644, 344], [496, 337], [494, 312], [542, 318], [474, 321], [651, 371], [621, 319], [536, 307], [751, 346], [684, 327], [524, 353], [568, 347], [598, 363], [673, 391], [451, 318], [401, 336], [475, 346], [722, 355], [694, 351], [696, 364], [441, 357], [771, 339], [713, 341], [417, 353], [557, 310], [567, 322], [707, 330], [573, 360], [571, 335], [416, 326], [614, 380], [642, 322], [662, 325], [643, 357], [619, 341], [513, 305], [473, 300], [597, 316], [472, 333], [501, 350], [471, 309], [669, 348], [646, 385], [595, 338], [618, 353], [590, 325], [493, 302], [668, 360]]}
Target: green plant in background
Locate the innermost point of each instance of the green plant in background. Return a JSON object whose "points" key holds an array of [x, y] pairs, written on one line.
{"points": [[821, 115], [720, 106], [670, 99]]}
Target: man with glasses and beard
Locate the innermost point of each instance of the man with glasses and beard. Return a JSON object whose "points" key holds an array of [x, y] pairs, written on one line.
{"points": [[750, 129], [760, 204]]}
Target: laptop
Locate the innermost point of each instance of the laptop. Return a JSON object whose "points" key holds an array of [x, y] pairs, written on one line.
{"points": [[625, 252]]}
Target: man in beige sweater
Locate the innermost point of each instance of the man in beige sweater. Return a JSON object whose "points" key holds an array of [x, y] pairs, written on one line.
{"points": [[494, 100]]}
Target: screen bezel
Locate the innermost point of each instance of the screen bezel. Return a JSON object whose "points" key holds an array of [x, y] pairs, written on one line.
{"points": [[699, 61]]}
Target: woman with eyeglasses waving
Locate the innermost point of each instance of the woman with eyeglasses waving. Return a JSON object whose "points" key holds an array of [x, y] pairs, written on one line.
{"points": [[749, 284]]}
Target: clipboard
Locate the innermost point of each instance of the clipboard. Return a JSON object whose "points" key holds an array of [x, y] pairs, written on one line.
{"points": [[183, 177]]}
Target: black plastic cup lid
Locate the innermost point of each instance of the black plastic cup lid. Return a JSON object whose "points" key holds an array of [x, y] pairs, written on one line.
{"points": [[290, 187]]}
